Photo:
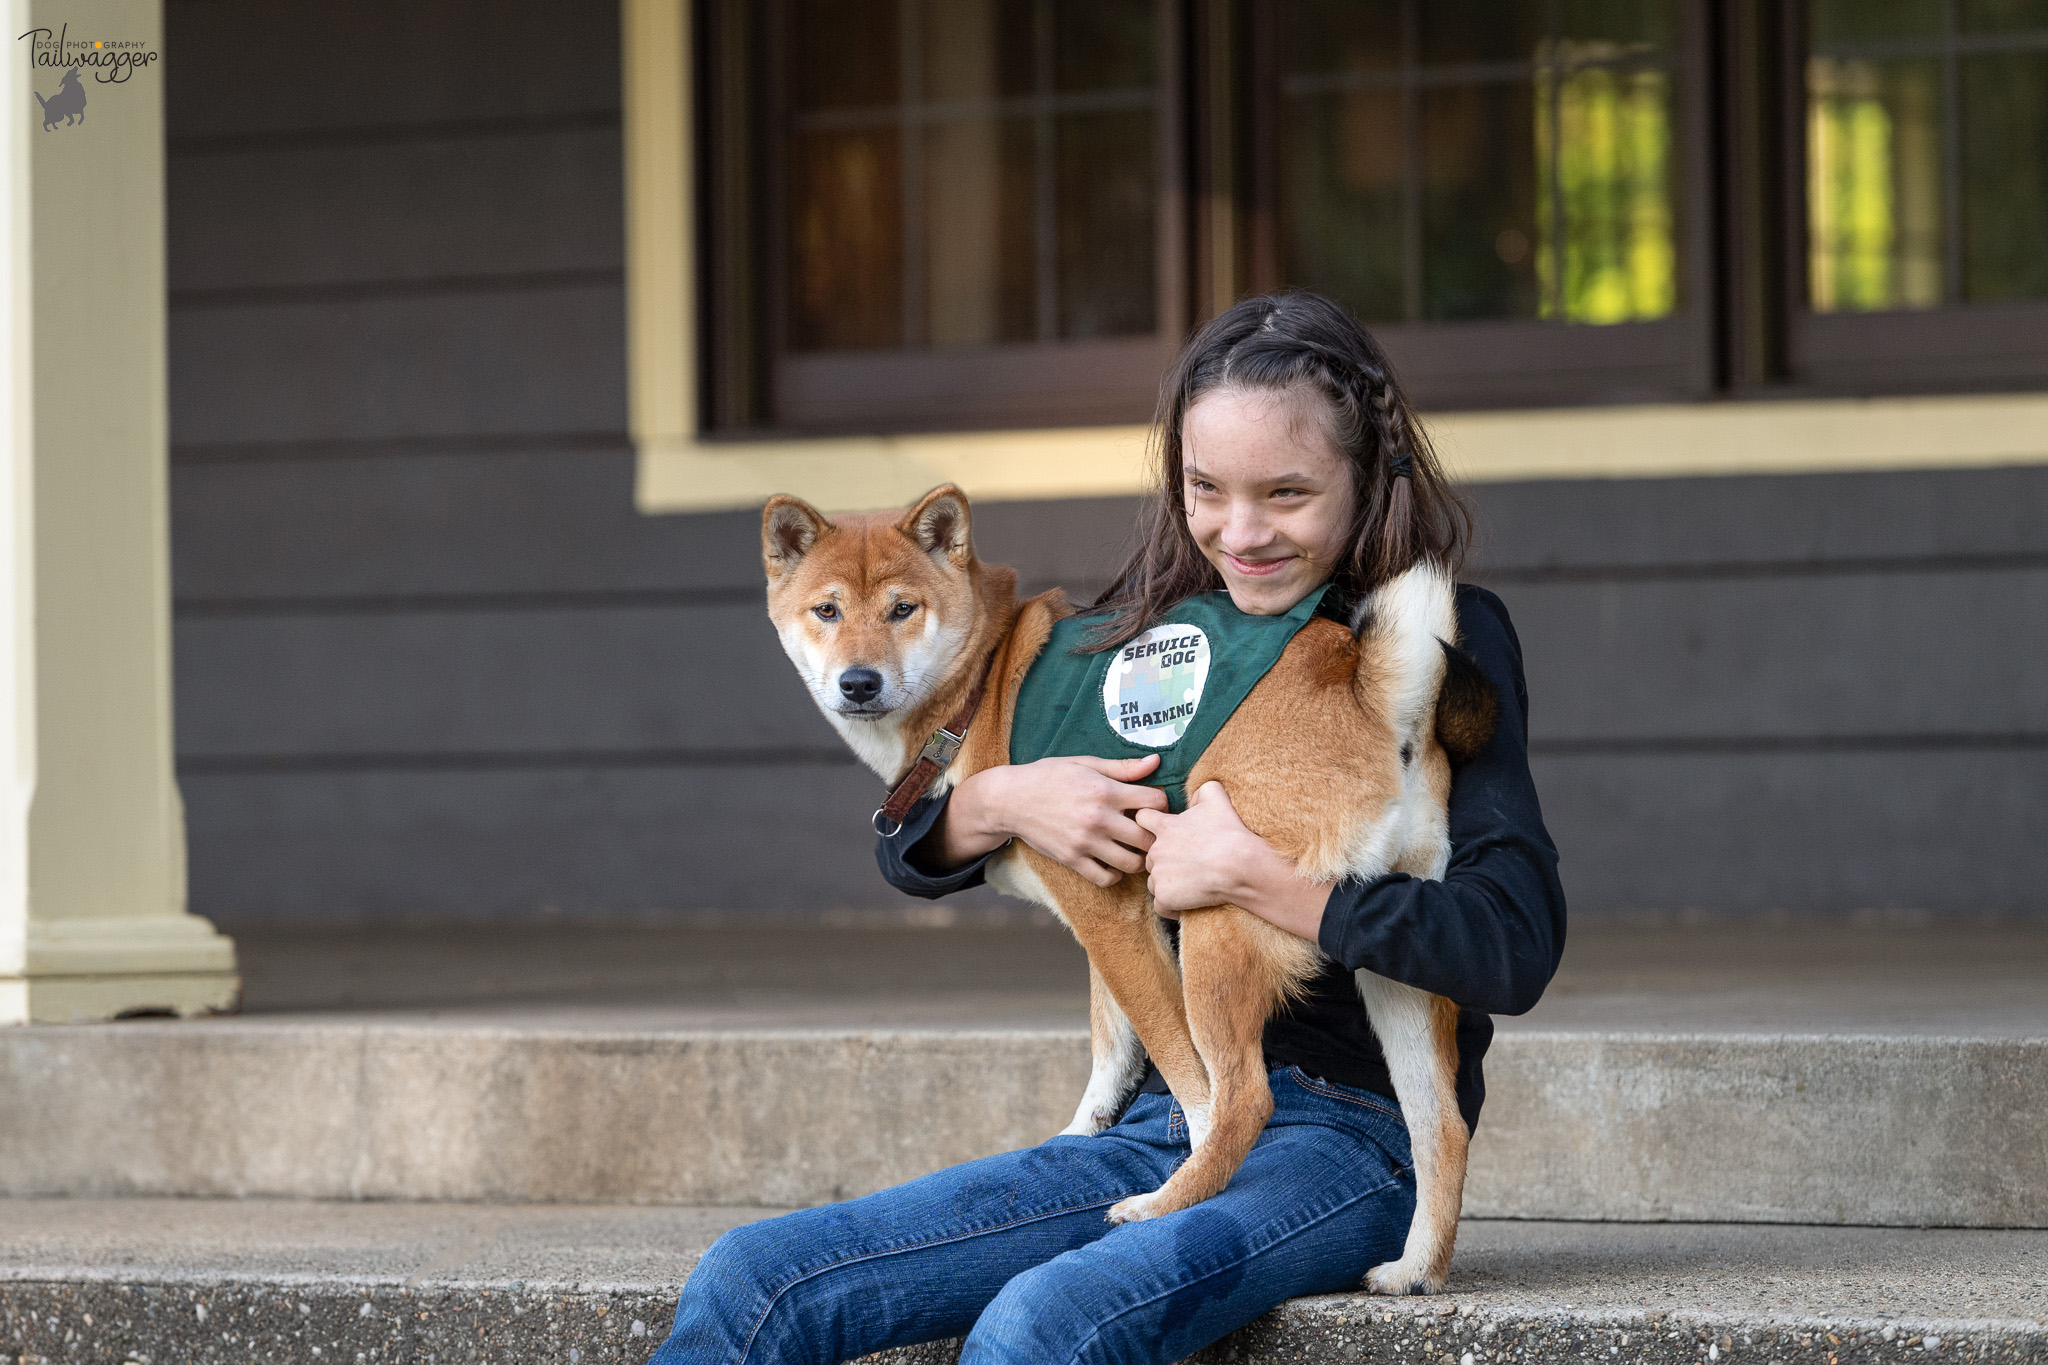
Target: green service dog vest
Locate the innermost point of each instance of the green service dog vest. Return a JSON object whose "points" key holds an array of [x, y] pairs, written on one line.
{"points": [[1166, 692]]}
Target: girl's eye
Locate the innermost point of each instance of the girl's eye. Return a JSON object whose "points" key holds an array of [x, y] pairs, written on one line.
{"points": [[1202, 485], [826, 611], [902, 610]]}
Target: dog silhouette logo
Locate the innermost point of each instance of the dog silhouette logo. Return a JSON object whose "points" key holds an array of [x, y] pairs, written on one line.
{"points": [[67, 105]]}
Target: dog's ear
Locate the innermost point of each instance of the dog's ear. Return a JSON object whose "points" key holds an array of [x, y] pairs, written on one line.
{"points": [[939, 524], [789, 528]]}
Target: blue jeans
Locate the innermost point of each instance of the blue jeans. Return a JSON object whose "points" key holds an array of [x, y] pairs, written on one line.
{"points": [[1012, 1252]]}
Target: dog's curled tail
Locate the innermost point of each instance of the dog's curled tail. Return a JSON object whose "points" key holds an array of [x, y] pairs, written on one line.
{"points": [[1414, 670]]}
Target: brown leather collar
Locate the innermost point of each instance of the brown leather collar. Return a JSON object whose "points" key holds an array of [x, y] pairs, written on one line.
{"points": [[932, 760]]}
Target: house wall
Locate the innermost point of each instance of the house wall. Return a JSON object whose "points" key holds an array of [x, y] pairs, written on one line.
{"points": [[431, 661]]}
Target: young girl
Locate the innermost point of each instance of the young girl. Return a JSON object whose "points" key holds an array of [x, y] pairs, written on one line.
{"points": [[1289, 459]]}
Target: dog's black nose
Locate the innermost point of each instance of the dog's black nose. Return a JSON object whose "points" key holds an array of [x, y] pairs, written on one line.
{"points": [[860, 685]]}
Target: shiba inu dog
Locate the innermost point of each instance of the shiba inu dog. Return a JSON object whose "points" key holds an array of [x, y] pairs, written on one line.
{"points": [[895, 624]]}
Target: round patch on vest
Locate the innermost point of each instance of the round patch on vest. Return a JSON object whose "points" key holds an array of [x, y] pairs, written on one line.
{"points": [[1154, 685]]}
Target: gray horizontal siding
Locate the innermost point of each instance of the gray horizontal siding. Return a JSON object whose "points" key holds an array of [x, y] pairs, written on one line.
{"points": [[1807, 656], [254, 69], [1775, 523], [610, 679], [505, 360], [567, 840], [290, 217], [1947, 831]]}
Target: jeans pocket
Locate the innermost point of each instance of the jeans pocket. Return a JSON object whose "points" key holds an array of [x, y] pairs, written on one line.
{"points": [[1368, 1100]]}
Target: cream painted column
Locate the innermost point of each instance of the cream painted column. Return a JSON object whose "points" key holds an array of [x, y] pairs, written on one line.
{"points": [[92, 834]]}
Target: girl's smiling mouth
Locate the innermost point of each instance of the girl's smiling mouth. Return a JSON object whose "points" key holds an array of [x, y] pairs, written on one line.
{"points": [[1257, 567]]}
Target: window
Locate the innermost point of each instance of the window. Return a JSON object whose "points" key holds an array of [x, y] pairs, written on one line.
{"points": [[939, 214], [1501, 190], [1926, 177], [972, 208]]}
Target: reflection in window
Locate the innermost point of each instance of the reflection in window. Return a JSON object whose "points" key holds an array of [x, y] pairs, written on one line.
{"points": [[1927, 153], [1873, 134], [1481, 158], [969, 172], [1608, 146]]}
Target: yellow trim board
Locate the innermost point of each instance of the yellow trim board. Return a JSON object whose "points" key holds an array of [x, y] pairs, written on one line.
{"points": [[1652, 441], [677, 472], [1788, 437], [888, 471]]}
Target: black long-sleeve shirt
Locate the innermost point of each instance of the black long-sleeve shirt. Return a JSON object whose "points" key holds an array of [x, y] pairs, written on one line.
{"points": [[1487, 936]]}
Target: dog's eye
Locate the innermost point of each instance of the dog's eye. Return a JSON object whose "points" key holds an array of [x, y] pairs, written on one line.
{"points": [[826, 611], [902, 610]]}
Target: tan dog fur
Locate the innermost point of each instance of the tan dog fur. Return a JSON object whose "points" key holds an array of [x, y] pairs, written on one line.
{"points": [[909, 599]]}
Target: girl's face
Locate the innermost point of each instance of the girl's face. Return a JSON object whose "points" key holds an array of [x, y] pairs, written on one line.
{"points": [[1268, 494]]}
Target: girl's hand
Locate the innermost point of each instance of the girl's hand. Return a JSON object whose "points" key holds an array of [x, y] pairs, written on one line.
{"points": [[1073, 810], [1205, 856]]}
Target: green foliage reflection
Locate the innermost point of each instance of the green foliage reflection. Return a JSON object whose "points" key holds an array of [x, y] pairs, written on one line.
{"points": [[1604, 157]]}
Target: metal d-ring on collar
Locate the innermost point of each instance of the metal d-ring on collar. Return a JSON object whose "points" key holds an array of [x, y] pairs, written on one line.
{"points": [[936, 756]]}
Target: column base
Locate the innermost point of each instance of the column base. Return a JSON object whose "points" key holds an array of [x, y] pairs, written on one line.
{"points": [[100, 967], [86, 999]]}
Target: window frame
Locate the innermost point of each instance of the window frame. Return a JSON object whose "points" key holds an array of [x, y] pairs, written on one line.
{"points": [[1956, 347], [757, 383], [1528, 362]]}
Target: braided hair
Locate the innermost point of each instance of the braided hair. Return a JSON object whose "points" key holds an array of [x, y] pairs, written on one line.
{"points": [[1404, 511]]}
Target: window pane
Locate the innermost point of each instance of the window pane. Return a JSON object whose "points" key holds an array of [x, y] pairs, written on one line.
{"points": [[2005, 176], [978, 187], [976, 49], [1832, 21], [846, 240], [1343, 164], [842, 53], [1102, 44], [1478, 201], [1107, 255], [1636, 25], [1341, 35], [1615, 188], [2005, 16], [1512, 171], [1874, 174], [1004, 190], [1457, 31]]}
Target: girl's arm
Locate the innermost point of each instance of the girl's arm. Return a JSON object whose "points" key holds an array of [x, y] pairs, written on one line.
{"points": [[1074, 810], [1487, 936]]}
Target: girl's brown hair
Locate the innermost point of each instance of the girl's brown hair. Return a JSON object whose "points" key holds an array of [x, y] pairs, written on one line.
{"points": [[1404, 510]]}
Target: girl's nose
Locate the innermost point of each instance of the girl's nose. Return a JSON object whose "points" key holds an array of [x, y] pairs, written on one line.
{"points": [[1246, 530]]}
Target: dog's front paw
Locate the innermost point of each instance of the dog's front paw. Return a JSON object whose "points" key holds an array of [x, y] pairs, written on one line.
{"points": [[1136, 1209], [1402, 1277]]}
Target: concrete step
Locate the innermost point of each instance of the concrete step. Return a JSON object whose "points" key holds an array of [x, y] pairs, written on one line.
{"points": [[161, 1281], [1891, 1076]]}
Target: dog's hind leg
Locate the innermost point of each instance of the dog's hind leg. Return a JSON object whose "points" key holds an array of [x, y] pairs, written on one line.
{"points": [[1116, 1062], [1237, 970], [1418, 1035]]}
